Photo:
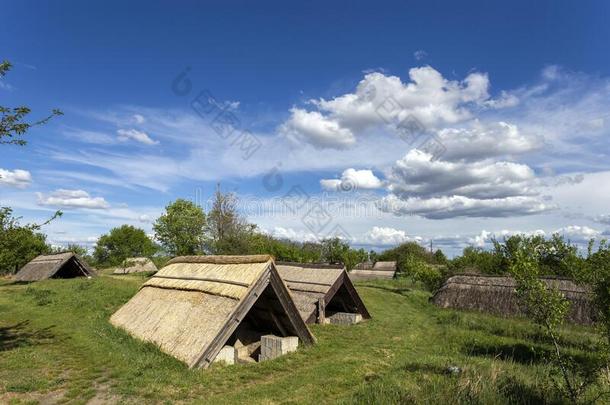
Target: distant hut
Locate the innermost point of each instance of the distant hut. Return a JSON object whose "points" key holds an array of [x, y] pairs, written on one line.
{"points": [[497, 295], [136, 265], [197, 306], [370, 271], [60, 265], [323, 292]]}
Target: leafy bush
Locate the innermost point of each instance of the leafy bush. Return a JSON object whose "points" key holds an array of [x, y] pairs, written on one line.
{"points": [[404, 250], [120, 243], [429, 275], [18, 243], [548, 307]]}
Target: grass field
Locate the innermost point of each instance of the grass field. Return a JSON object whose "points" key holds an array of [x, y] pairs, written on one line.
{"points": [[56, 345]]}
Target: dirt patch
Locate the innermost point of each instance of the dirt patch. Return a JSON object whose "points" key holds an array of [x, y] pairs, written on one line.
{"points": [[47, 398]]}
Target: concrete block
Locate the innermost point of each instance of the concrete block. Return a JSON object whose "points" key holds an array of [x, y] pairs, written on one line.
{"points": [[274, 346], [227, 354], [345, 318]]}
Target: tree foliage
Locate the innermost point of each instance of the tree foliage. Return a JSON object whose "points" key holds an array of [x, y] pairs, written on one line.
{"points": [[181, 228], [338, 251], [13, 124], [18, 243], [555, 256], [229, 232], [122, 242], [548, 307]]}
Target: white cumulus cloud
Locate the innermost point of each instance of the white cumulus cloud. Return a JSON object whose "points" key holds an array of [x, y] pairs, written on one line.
{"points": [[351, 180], [15, 178], [63, 198], [460, 206], [417, 174], [291, 234], [316, 129], [381, 99], [379, 235]]}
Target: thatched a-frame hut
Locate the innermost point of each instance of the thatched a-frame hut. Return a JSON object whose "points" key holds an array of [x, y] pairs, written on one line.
{"points": [[497, 295], [60, 265], [136, 265], [196, 305], [320, 290], [370, 271]]}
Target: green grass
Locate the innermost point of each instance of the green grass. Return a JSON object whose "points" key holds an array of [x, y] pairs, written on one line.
{"points": [[56, 345]]}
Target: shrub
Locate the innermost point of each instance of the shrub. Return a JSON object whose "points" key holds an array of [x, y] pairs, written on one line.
{"points": [[429, 275]]}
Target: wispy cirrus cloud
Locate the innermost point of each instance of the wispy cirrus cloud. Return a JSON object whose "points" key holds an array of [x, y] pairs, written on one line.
{"points": [[135, 135]]}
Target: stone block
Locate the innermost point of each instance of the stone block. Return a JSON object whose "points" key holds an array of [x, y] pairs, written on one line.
{"points": [[226, 355], [274, 346], [344, 318]]}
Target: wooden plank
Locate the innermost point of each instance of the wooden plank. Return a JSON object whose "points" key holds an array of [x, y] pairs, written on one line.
{"points": [[355, 296], [333, 289], [290, 309], [210, 280], [311, 265], [321, 307], [226, 259]]}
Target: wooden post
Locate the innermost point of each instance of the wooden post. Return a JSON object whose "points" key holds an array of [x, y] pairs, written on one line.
{"points": [[321, 311]]}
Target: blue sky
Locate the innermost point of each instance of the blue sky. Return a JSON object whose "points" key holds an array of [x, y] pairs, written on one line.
{"points": [[517, 94]]}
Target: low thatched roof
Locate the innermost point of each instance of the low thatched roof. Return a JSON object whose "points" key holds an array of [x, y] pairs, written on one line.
{"points": [[308, 283], [193, 306], [364, 266], [497, 295], [136, 265], [385, 266], [60, 265], [368, 271]]}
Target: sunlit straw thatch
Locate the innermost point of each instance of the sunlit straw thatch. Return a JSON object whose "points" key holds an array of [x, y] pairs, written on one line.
{"points": [[194, 306], [310, 283]]}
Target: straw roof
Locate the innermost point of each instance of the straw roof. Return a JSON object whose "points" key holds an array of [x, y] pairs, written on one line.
{"points": [[364, 266], [385, 266], [308, 283], [60, 265], [194, 305], [497, 295], [368, 271], [136, 265]]}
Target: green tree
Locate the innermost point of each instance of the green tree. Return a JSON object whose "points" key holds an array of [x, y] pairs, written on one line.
{"points": [[439, 257], [334, 250], [337, 251], [181, 228], [76, 249], [352, 257], [402, 252], [12, 119], [548, 307], [122, 242], [229, 231], [478, 260], [18, 244]]}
